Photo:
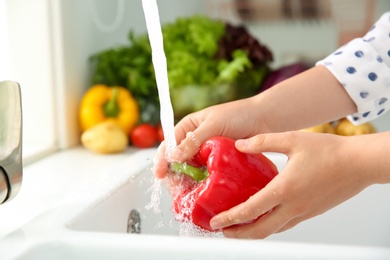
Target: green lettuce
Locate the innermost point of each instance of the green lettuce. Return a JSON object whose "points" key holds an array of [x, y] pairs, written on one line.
{"points": [[190, 46]]}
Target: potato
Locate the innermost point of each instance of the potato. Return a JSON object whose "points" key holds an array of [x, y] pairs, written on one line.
{"points": [[346, 128], [324, 128], [105, 138]]}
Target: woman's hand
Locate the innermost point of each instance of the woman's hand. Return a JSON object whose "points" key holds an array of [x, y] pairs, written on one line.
{"points": [[322, 171], [236, 120], [281, 108]]}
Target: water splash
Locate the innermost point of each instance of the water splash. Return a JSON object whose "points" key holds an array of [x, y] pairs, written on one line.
{"points": [[186, 204], [190, 230], [155, 200]]}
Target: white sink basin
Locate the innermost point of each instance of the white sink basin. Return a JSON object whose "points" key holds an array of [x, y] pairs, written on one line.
{"points": [[95, 225]]}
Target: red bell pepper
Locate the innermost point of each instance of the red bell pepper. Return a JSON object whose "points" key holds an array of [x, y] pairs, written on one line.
{"points": [[224, 177]]}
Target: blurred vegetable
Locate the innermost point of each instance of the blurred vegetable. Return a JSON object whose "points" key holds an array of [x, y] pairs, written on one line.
{"points": [[144, 136], [102, 103], [192, 98], [190, 44], [234, 45], [160, 133], [342, 127], [283, 73], [201, 53], [130, 66], [346, 128], [212, 62], [105, 138], [327, 128]]}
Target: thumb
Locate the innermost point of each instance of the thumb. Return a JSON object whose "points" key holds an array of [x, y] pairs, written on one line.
{"points": [[273, 142]]}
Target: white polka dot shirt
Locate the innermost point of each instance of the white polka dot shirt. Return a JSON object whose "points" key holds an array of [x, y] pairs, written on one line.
{"points": [[362, 66]]}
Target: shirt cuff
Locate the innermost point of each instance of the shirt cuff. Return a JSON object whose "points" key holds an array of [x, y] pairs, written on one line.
{"points": [[362, 66]]}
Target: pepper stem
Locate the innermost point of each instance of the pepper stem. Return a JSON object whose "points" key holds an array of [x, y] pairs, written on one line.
{"points": [[111, 108], [198, 174]]}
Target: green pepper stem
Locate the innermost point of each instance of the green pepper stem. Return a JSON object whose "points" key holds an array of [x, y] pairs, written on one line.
{"points": [[111, 108], [198, 174]]}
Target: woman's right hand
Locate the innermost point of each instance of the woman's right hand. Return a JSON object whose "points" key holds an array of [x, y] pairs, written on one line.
{"points": [[235, 119]]}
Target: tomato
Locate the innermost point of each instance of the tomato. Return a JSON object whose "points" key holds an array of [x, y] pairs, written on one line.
{"points": [[144, 136], [160, 133]]}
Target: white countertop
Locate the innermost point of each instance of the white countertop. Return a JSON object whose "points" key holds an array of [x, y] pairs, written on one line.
{"points": [[50, 180]]}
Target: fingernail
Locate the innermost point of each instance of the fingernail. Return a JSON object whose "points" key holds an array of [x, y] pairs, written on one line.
{"points": [[241, 143], [215, 225]]}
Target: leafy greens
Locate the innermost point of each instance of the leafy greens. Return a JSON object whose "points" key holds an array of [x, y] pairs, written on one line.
{"points": [[200, 51]]}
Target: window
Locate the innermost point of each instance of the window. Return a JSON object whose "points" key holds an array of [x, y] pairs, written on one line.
{"points": [[27, 48], [4, 57]]}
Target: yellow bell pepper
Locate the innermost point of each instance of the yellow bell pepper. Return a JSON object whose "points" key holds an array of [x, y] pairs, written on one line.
{"points": [[102, 103]]}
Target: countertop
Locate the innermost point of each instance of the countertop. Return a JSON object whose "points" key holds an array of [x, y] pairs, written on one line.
{"points": [[49, 181]]}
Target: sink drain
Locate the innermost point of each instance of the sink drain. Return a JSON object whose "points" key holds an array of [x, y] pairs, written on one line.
{"points": [[134, 222]]}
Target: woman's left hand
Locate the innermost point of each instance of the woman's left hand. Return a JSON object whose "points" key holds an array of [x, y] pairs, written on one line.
{"points": [[322, 171]]}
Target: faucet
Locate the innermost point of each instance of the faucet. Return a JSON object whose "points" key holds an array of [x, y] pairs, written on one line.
{"points": [[10, 140]]}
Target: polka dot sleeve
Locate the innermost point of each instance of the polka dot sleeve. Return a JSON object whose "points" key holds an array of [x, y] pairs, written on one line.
{"points": [[362, 66]]}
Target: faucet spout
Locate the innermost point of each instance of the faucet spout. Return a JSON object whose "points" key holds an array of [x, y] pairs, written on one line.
{"points": [[10, 140]]}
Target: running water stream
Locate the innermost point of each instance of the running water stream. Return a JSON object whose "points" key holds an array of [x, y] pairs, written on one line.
{"points": [[166, 111], [160, 67]]}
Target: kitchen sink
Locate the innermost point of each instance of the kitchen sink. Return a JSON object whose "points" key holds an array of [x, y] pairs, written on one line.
{"points": [[363, 220], [130, 210], [120, 222]]}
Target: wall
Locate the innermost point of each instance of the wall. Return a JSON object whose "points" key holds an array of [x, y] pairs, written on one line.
{"points": [[79, 35]]}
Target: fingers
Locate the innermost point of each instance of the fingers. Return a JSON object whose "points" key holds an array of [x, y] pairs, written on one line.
{"points": [[189, 143], [265, 226], [191, 135], [160, 169], [291, 224], [276, 221], [267, 207], [257, 205], [188, 147], [275, 142]]}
